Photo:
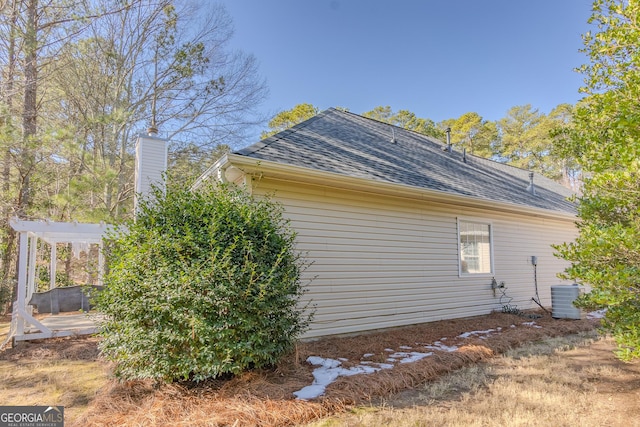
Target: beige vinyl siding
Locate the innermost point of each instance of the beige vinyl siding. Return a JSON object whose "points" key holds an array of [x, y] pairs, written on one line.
{"points": [[380, 261]]}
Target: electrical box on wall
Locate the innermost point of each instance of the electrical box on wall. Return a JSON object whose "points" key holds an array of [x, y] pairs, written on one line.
{"points": [[534, 260]]}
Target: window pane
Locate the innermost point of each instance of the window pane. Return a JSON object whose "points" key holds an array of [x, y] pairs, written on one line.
{"points": [[475, 247]]}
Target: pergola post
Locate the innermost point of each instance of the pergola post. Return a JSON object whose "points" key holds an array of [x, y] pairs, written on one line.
{"points": [[31, 265], [22, 282], [22, 314], [53, 265]]}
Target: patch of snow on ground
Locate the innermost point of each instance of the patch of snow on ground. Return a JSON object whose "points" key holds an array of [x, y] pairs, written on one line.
{"points": [[368, 355], [380, 365], [406, 347], [438, 345], [532, 324], [415, 356], [598, 314], [310, 392], [326, 363], [328, 371], [476, 333], [407, 357]]}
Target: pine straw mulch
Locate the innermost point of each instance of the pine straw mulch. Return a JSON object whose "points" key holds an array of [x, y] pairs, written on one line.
{"points": [[264, 397]]}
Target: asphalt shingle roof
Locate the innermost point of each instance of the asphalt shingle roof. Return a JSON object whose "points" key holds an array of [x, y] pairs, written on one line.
{"points": [[352, 145]]}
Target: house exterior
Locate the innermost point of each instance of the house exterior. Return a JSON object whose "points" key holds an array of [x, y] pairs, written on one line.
{"points": [[400, 229]]}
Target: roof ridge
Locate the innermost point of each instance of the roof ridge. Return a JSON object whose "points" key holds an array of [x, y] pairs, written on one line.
{"points": [[431, 139], [266, 142], [439, 146], [263, 143], [496, 162], [434, 140]]}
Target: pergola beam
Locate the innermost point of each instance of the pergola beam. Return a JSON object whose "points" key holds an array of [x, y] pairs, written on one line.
{"points": [[63, 229], [62, 232]]}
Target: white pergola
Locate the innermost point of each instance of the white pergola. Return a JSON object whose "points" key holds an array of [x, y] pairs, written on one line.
{"points": [[52, 233]]}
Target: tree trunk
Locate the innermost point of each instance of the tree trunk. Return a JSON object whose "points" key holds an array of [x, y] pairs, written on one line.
{"points": [[7, 260], [29, 113]]}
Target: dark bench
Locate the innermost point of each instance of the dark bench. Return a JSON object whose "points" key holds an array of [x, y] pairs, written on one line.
{"points": [[69, 298]]}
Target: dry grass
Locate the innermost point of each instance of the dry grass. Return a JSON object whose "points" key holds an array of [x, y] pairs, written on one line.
{"points": [[548, 383], [5, 325], [63, 372], [4, 330]]}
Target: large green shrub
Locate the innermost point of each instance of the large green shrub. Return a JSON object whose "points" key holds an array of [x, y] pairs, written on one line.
{"points": [[202, 284], [605, 140]]}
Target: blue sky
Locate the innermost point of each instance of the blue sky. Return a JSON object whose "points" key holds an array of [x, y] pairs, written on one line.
{"points": [[438, 59]]}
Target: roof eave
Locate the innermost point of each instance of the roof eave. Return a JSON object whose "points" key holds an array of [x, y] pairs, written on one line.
{"points": [[212, 171], [250, 165]]}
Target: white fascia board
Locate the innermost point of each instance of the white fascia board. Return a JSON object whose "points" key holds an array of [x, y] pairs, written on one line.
{"points": [[220, 164], [251, 165]]}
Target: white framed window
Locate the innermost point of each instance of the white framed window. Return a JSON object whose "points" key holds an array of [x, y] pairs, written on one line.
{"points": [[475, 247]]}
